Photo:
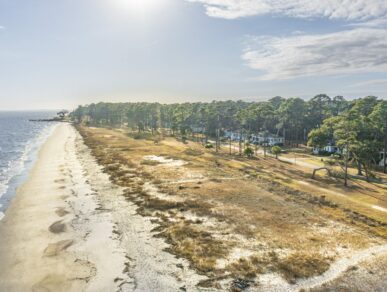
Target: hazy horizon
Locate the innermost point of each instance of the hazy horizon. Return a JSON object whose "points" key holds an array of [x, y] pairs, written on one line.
{"points": [[62, 54]]}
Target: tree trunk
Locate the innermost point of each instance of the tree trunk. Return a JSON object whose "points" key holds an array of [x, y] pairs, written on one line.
{"points": [[359, 172], [217, 140], [346, 167], [240, 143], [367, 172], [385, 148]]}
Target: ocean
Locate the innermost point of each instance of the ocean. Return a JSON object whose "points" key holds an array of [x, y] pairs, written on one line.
{"points": [[20, 140]]}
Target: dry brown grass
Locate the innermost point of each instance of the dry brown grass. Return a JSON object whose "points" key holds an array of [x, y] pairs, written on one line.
{"points": [[254, 199], [303, 265], [150, 162], [196, 245], [292, 267]]}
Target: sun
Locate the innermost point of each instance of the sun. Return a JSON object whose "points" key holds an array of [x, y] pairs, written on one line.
{"points": [[141, 6]]}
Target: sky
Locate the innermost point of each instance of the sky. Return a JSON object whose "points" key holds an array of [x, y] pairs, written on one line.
{"points": [[58, 54]]}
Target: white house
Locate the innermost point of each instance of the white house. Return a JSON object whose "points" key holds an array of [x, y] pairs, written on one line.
{"points": [[234, 136], [270, 139], [329, 148]]}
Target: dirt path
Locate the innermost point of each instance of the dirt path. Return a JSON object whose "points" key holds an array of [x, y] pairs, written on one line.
{"points": [[274, 283], [341, 266]]}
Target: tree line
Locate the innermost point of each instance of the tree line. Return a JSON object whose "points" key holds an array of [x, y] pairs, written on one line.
{"points": [[292, 118], [358, 126]]}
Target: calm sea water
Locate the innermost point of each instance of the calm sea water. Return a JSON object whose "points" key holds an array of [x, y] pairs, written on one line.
{"points": [[20, 141]]}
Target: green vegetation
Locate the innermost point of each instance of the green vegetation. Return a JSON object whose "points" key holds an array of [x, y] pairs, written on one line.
{"points": [[358, 127], [249, 152], [360, 132], [276, 150], [293, 117]]}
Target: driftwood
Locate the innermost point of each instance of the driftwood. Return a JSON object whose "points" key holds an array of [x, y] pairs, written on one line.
{"points": [[321, 168]]}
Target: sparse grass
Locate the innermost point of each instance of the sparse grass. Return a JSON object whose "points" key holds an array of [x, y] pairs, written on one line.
{"points": [[193, 152], [150, 162], [244, 269], [303, 265], [261, 203], [196, 245], [295, 266]]}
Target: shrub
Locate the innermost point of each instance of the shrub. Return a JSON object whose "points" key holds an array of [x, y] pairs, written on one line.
{"points": [[276, 150], [249, 152], [209, 146]]}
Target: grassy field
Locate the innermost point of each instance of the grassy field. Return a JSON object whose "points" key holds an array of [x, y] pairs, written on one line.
{"points": [[238, 218]]}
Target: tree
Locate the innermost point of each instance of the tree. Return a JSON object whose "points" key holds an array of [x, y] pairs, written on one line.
{"points": [[292, 113], [379, 119], [319, 108], [249, 152], [276, 150]]}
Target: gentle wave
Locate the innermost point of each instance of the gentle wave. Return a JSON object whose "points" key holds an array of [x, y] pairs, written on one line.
{"points": [[13, 173]]}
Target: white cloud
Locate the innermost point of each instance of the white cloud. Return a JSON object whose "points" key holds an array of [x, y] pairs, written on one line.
{"points": [[334, 9], [360, 50]]}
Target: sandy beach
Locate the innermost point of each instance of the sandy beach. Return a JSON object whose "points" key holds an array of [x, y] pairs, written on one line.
{"points": [[69, 229]]}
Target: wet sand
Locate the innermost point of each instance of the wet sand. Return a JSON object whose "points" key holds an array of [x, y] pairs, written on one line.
{"points": [[69, 229]]}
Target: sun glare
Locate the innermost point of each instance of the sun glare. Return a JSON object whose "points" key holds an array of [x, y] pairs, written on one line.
{"points": [[141, 7]]}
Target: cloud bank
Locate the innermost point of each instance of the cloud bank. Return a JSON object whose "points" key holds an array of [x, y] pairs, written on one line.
{"points": [[333, 9], [360, 50]]}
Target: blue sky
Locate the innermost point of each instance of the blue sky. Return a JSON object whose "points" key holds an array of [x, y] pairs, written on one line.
{"points": [[58, 54]]}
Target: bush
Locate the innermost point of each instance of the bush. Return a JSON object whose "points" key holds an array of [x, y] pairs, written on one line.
{"points": [[276, 150], [209, 146], [249, 152]]}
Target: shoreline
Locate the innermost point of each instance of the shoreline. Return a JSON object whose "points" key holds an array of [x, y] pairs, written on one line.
{"points": [[40, 247], [70, 229], [27, 162]]}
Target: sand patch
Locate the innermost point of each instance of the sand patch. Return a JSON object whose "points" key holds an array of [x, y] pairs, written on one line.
{"points": [[57, 227], [51, 283], [379, 208], [53, 249], [61, 212], [165, 161]]}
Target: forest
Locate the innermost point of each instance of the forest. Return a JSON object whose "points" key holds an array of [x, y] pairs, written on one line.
{"points": [[359, 126]]}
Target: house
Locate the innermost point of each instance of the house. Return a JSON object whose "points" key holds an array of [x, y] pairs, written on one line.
{"points": [[261, 138], [270, 139], [234, 136], [332, 149], [329, 149]]}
